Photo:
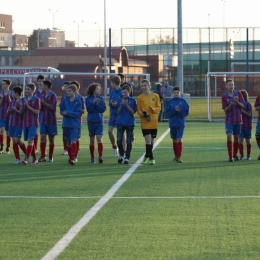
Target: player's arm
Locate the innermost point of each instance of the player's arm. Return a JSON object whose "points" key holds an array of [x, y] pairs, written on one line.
{"points": [[157, 108], [170, 110], [34, 110], [101, 105], [239, 100], [139, 108], [184, 111], [1, 99], [75, 113]]}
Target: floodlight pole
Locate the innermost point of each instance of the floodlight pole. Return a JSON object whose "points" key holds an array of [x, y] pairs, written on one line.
{"points": [[180, 47], [105, 53]]}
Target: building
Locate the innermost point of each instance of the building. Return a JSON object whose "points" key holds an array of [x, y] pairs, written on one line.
{"points": [[6, 30], [20, 42]]}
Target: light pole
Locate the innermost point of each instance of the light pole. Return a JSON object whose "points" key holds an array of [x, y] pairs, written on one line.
{"points": [[78, 29], [38, 38], [53, 14], [98, 34]]}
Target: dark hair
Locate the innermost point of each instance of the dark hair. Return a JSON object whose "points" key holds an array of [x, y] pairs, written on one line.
{"points": [[91, 88], [126, 86], [228, 80], [66, 83], [40, 77], [7, 81], [159, 85], [244, 94], [121, 75], [146, 81], [116, 80], [47, 83], [73, 87], [76, 83], [176, 88], [18, 90], [31, 86]]}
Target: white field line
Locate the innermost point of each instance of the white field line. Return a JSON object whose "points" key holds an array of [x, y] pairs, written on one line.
{"points": [[69, 236], [135, 197]]}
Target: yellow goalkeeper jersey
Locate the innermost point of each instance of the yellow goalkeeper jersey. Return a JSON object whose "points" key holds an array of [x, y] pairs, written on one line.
{"points": [[143, 103]]}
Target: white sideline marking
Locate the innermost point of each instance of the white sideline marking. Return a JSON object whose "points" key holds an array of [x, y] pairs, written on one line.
{"points": [[69, 236], [136, 197]]}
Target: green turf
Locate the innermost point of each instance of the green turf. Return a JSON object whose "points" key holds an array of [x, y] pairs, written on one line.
{"points": [[166, 211]]}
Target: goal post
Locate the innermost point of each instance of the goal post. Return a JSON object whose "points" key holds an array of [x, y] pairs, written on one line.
{"points": [[85, 79], [215, 88]]}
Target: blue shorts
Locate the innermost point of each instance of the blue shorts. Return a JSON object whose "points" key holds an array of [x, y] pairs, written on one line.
{"points": [[95, 128], [235, 129], [70, 134], [50, 130], [177, 132], [112, 122], [15, 131], [257, 127], [246, 133], [29, 132], [5, 124]]}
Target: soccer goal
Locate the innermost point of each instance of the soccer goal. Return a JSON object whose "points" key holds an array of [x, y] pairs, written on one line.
{"points": [[85, 79], [215, 88]]}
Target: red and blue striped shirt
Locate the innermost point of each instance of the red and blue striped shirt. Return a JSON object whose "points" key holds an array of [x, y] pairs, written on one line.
{"points": [[247, 120], [48, 116], [29, 118], [234, 115], [257, 104], [5, 104], [16, 119]]}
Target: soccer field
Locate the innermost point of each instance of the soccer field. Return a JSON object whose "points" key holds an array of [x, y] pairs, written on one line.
{"points": [[205, 208]]}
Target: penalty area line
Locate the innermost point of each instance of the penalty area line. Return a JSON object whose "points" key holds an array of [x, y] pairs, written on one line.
{"points": [[61, 245]]}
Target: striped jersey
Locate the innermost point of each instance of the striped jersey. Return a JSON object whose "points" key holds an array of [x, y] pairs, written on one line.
{"points": [[257, 104], [5, 104], [247, 120], [29, 118], [234, 115], [48, 116], [16, 119]]}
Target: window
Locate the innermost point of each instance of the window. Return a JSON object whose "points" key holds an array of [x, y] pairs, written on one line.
{"points": [[2, 38], [2, 25]]}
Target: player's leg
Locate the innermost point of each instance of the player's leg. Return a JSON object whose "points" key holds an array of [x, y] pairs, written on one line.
{"points": [[43, 147], [248, 148], [52, 132], [236, 132], [153, 136], [173, 133], [180, 131], [111, 126], [73, 145], [241, 145], [120, 134], [129, 137], [8, 138], [2, 130], [91, 131], [229, 132], [99, 133], [257, 136]]}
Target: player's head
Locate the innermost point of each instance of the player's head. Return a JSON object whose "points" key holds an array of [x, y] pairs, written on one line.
{"points": [[244, 94], [145, 85], [230, 84], [47, 84], [76, 83], [122, 76], [71, 90], [166, 83], [6, 83], [116, 80], [158, 86], [126, 90], [65, 85], [29, 89], [17, 91], [94, 89], [40, 78], [176, 91]]}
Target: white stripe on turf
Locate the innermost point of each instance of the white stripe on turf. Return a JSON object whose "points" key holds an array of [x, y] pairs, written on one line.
{"points": [[69, 236], [136, 197]]}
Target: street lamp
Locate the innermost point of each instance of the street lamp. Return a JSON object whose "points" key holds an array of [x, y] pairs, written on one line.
{"points": [[38, 38], [98, 34], [53, 13], [78, 29]]}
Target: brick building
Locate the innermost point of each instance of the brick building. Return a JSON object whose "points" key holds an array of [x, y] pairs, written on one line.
{"points": [[6, 30]]}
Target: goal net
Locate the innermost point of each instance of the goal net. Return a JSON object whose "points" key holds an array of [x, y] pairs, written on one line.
{"points": [[215, 88]]}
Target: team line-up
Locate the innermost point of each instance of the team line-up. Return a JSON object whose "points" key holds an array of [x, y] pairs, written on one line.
{"points": [[37, 109]]}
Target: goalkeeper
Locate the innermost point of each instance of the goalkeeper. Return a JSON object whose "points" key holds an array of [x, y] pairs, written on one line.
{"points": [[148, 107]]}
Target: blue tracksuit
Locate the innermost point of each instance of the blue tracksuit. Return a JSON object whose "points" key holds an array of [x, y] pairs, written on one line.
{"points": [[177, 119], [95, 111], [125, 118], [74, 111], [115, 95]]}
